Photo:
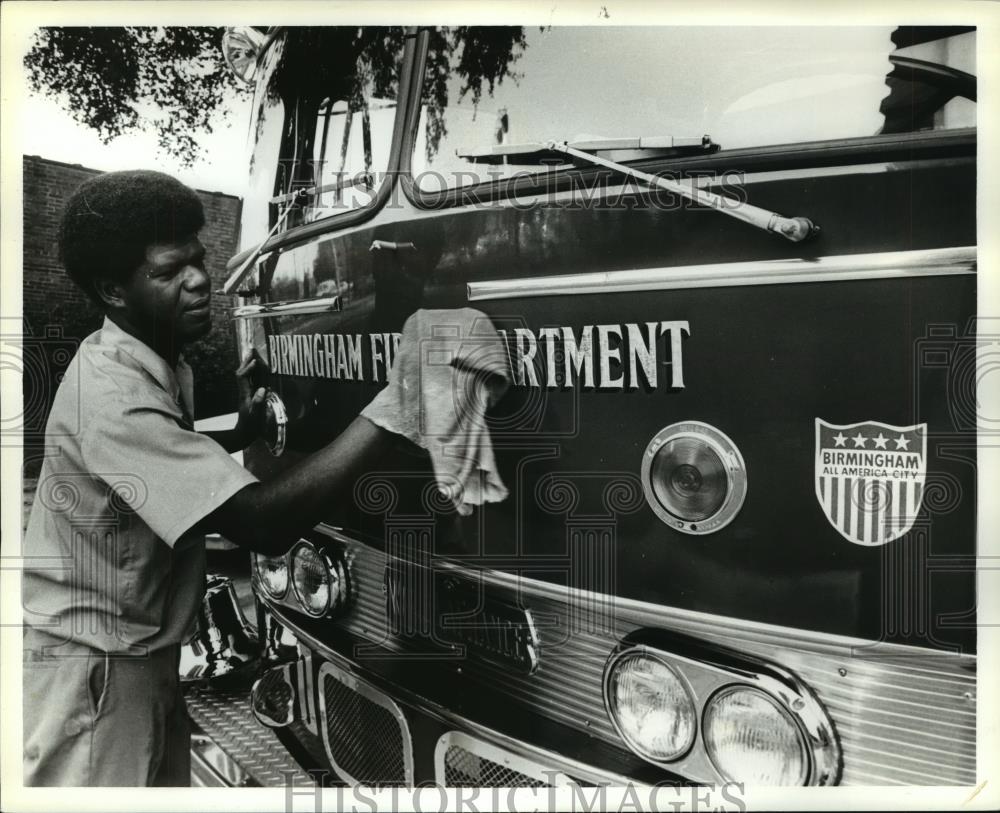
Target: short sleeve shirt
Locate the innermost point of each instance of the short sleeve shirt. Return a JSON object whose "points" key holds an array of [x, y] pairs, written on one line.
{"points": [[109, 557]]}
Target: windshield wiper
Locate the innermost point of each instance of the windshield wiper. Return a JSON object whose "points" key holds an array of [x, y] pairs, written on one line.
{"points": [[620, 149], [795, 229], [602, 151]]}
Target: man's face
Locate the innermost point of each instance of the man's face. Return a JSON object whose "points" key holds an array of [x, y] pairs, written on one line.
{"points": [[168, 298]]}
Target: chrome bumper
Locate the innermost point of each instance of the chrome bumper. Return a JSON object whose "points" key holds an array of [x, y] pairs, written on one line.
{"points": [[467, 754]]}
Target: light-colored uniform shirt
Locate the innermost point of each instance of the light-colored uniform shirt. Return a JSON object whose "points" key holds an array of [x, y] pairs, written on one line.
{"points": [[110, 562]]}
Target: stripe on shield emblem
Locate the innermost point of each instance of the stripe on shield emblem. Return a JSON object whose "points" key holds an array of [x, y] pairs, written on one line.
{"points": [[870, 478]]}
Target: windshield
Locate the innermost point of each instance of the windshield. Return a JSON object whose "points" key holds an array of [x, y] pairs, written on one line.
{"points": [[324, 110], [744, 87]]}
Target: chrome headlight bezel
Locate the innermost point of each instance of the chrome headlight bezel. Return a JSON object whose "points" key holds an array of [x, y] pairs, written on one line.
{"points": [[709, 671]]}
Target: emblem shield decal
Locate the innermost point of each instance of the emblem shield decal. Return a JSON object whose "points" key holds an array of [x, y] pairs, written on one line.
{"points": [[870, 478]]}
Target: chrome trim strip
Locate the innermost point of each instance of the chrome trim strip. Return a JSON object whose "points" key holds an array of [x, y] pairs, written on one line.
{"points": [[653, 614], [658, 614], [308, 702], [835, 268], [571, 767], [369, 692], [302, 307]]}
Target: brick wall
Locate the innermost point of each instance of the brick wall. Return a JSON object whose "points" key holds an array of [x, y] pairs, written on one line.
{"points": [[58, 315]]}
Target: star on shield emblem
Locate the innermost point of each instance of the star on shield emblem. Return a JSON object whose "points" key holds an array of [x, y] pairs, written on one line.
{"points": [[870, 478]]}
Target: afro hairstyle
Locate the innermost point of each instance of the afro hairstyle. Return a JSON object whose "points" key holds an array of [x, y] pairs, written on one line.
{"points": [[111, 219]]}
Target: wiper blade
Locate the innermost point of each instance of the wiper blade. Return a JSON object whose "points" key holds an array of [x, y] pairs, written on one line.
{"points": [[795, 229], [619, 149], [610, 152]]}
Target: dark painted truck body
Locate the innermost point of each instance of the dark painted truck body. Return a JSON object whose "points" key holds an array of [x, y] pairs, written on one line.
{"points": [[734, 461]]}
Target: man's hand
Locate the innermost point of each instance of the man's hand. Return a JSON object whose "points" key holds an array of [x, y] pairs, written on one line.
{"points": [[251, 402], [250, 423]]}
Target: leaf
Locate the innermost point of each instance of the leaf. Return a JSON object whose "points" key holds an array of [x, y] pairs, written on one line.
{"points": [[116, 81]]}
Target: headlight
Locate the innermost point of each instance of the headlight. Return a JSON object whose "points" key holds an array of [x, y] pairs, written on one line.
{"points": [[273, 574], [751, 739], [694, 477], [316, 587], [650, 706]]}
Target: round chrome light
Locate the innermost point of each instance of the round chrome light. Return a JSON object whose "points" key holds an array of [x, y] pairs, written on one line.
{"points": [[694, 477], [275, 423], [316, 585], [752, 739], [273, 574], [650, 705]]}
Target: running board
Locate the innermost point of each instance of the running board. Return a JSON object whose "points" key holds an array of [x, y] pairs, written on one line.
{"points": [[230, 749]]}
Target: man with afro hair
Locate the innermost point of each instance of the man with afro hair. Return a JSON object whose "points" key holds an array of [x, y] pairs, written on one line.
{"points": [[115, 542]]}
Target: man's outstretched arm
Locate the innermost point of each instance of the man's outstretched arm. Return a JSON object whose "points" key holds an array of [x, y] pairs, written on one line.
{"points": [[270, 517]]}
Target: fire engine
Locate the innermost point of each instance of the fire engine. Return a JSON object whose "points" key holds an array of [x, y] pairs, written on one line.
{"points": [[737, 297]]}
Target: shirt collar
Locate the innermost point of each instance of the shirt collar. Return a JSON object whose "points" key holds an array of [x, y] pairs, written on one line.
{"points": [[178, 382]]}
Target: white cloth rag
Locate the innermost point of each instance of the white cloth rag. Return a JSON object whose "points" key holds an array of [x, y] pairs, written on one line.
{"points": [[451, 367]]}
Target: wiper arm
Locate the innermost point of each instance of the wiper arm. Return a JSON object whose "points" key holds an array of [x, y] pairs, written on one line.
{"points": [[795, 229], [622, 149]]}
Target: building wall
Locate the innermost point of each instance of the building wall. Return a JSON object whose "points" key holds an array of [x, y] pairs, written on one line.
{"points": [[57, 315]]}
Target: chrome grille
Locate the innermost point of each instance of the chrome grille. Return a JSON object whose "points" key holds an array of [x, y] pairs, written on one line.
{"points": [[463, 769], [462, 761], [365, 733], [902, 720]]}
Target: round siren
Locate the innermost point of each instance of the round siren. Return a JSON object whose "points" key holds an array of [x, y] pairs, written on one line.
{"points": [[694, 477]]}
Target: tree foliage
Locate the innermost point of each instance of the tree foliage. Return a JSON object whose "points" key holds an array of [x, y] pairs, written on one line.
{"points": [[122, 80], [477, 55], [174, 80]]}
